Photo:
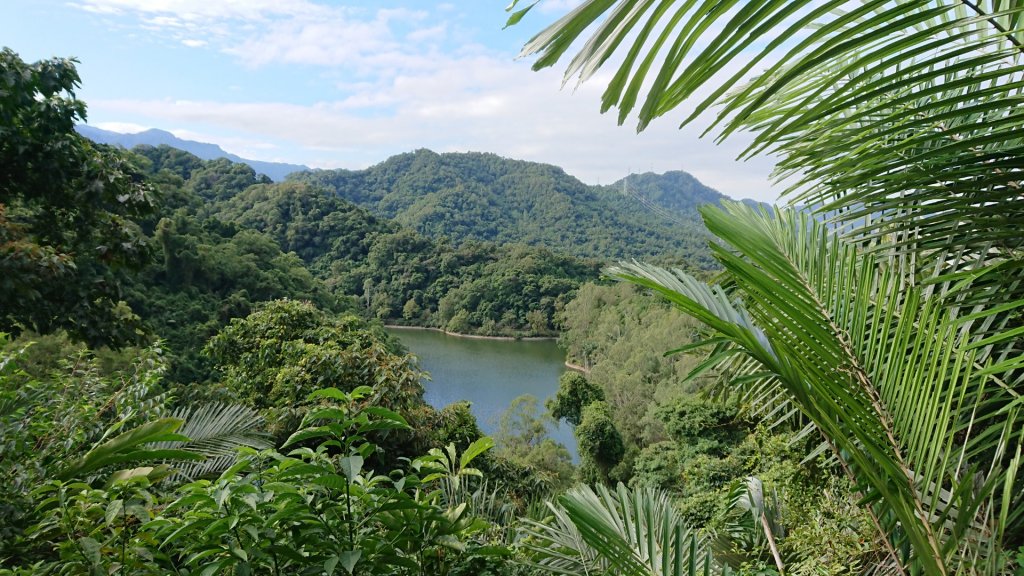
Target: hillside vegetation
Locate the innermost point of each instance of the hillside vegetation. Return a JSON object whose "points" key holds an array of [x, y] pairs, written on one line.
{"points": [[226, 239], [487, 197]]}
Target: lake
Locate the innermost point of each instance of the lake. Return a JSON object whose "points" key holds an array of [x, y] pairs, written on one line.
{"points": [[488, 373]]}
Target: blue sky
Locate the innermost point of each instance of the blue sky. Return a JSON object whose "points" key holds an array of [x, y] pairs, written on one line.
{"points": [[347, 84]]}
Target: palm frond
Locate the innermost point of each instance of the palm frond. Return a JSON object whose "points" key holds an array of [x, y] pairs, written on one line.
{"points": [[629, 532], [216, 431], [886, 371], [901, 121], [752, 523]]}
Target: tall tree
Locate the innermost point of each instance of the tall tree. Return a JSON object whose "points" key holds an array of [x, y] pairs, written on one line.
{"points": [[895, 328], [68, 211]]}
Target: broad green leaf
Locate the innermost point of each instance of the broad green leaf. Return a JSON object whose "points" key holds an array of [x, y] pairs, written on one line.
{"points": [[475, 449], [125, 448], [349, 558], [350, 466]]}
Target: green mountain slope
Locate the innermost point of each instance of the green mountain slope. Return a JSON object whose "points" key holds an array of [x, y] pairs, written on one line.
{"points": [[226, 239], [487, 197]]}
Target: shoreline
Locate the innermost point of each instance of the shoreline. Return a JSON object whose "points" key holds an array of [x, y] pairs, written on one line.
{"points": [[471, 336], [576, 367]]}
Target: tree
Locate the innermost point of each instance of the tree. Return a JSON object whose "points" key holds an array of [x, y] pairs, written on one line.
{"points": [[574, 394], [411, 310], [68, 211], [277, 356], [522, 437], [895, 329], [537, 320], [520, 429], [599, 441]]}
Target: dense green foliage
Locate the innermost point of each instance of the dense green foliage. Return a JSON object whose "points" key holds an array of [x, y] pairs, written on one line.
{"points": [[653, 424], [68, 509], [277, 356], [620, 337], [206, 271], [353, 258], [69, 211], [224, 239], [44, 427], [486, 197], [404, 277], [893, 330], [575, 393], [318, 508]]}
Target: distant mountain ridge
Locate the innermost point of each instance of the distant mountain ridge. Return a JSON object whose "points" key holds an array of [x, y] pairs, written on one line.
{"points": [[483, 196], [276, 171]]}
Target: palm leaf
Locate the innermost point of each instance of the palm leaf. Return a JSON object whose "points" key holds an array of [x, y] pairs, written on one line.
{"points": [[899, 120], [883, 368], [629, 532], [752, 523], [144, 443], [216, 431]]}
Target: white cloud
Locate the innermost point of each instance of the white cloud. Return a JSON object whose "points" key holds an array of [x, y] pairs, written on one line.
{"points": [[122, 127], [244, 147], [399, 88], [432, 34], [203, 10], [261, 32], [335, 42], [476, 103]]}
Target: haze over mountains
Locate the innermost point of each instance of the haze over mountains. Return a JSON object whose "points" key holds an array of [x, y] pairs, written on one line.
{"points": [[276, 171]]}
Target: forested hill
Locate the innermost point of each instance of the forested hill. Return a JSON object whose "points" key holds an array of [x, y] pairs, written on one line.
{"points": [[226, 239], [677, 192], [487, 197]]}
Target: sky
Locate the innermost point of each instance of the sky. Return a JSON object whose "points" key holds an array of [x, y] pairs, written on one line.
{"points": [[348, 84]]}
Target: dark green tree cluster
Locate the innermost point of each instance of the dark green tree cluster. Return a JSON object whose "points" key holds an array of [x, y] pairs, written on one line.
{"points": [[206, 270], [574, 394], [69, 211], [274, 358], [402, 276], [619, 336]]}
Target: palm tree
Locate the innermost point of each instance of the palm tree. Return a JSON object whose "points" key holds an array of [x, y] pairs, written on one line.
{"points": [[892, 317]]}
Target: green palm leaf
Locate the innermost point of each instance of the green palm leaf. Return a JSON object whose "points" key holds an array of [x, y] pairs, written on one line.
{"points": [[216, 431], [628, 532], [899, 120], [139, 444], [884, 368]]}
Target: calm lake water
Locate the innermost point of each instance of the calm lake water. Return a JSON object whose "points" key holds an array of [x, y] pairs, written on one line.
{"points": [[488, 373]]}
